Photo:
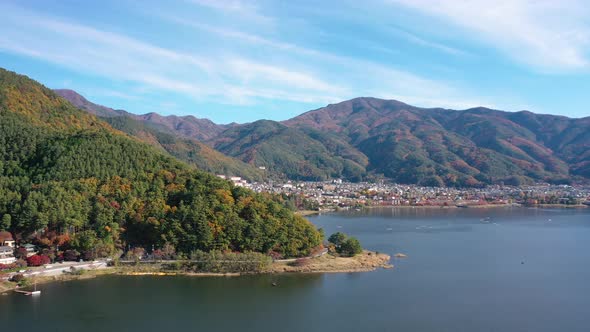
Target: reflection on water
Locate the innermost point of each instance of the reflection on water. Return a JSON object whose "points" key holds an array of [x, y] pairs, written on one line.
{"points": [[514, 269]]}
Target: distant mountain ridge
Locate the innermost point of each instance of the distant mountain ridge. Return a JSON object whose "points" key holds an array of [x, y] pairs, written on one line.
{"points": [[367, 138], [81, 102], [155, 130], [187, 126], [440, 146]]}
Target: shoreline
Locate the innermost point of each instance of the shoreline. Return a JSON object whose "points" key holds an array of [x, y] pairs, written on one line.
{"points": [[480, 206], [559, 206], [308, 213], [179, 273], [8, 286], [445, 207], [305, 213], [365, 262]]}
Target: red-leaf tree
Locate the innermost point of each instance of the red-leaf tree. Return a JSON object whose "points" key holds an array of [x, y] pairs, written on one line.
{"points": [[38, 260], [34, 260]]}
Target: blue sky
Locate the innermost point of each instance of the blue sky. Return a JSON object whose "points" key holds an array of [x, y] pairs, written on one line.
{"points": [[239, 60]]}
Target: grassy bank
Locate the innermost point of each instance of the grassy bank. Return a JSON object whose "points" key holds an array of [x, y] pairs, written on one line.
{"points": [[5, 286], [366, 261]]}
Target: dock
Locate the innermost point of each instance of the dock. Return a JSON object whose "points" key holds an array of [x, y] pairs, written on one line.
{"points": [[27, 292]]}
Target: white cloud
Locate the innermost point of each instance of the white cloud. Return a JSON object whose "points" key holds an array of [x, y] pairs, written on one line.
{"points": [[372, 78], [242, 36], [427, 43], [94, 91], [226, 5], [238, 9], [251, 71], [545, 34], [235, 75], [121, 57]]}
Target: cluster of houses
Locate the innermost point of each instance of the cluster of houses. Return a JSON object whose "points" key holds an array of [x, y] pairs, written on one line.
{"points": [[236, 180], [337, 193], [7, 247]]}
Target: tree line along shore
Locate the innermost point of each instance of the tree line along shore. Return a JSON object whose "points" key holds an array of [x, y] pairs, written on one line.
{"points": [[329, 263], [342, 254]]}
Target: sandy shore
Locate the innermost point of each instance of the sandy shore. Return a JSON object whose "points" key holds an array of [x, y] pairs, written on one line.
{"points": [[366, 261]]}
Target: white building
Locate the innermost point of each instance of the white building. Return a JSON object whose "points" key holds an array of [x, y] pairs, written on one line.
{"points": [[8, 243], [7, 240], [7, 255]]}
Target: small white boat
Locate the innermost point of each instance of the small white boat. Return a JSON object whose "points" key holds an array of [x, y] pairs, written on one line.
{"points": [[35, 291]]}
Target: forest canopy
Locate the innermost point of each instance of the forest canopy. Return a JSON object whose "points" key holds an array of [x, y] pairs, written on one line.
{"points": [[68, 179]]}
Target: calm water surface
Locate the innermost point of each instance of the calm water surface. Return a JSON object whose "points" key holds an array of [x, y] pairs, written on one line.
{"points": [[467, 270]]}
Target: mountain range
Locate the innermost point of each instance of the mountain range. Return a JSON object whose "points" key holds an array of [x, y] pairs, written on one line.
{"points": [[179, 136], [370, 138]]}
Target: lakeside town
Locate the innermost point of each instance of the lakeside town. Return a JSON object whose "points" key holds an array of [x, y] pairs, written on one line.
{"points": [[324, 197], [337, 194]]}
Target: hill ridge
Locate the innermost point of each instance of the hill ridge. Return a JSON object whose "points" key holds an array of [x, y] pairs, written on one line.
{"points": [[368, 138], [69, 180]]}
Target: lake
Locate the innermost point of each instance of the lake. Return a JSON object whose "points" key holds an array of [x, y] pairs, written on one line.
{"points": [[500, 269]]}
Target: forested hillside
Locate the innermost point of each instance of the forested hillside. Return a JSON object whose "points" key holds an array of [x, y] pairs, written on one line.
{"points": [[370, 138], [473, 147], [183, 147], [69, 179], [293, 153]]}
